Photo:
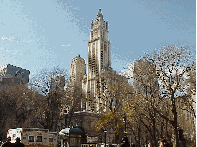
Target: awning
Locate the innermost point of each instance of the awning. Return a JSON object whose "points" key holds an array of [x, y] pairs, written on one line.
{"points": [[64, 131]]}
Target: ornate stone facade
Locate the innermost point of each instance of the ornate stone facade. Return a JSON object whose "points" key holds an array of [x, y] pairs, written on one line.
{"points": [[90, 91], [94, 85]]}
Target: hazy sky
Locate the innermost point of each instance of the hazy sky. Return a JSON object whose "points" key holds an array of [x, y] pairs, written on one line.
{"points": [[36, 34]]}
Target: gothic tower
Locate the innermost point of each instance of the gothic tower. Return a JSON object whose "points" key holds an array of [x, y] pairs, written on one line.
{"points": [[98, 62]]}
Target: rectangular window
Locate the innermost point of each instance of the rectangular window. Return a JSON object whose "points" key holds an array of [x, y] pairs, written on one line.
{"points": [[39, 139], [50, 139], [31, 138]]}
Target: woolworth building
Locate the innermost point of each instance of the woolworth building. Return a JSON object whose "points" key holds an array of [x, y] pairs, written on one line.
{"points": [[89, 91]]}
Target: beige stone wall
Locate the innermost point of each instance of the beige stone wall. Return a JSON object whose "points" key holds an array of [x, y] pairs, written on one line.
{"points": [[98, 61], [77, 70], [95, 85]]}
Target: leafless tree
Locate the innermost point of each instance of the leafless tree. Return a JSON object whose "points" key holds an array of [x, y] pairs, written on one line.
{"points": [[20, 107], [72, 99], [116, 96], [50, 83], [173, 65], [146, 88]]}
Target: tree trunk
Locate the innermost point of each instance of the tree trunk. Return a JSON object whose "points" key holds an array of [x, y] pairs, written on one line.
{"points": [[139, 139], [175, 130], [176, 139], [162, 124], [154, 134]]}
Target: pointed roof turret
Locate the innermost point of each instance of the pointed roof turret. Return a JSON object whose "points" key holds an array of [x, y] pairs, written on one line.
{"points": [[100, 14], [99, 11]]}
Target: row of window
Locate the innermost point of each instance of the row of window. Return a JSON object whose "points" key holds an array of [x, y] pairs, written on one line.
{"points": [[98, 24], [38, 139]]}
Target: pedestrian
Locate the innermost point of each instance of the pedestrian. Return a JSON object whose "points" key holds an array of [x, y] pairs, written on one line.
{"points": [[159, 141], [149, 144], [18, 143], [8, 143], [165, 143], [170, 144], [125, 142]]}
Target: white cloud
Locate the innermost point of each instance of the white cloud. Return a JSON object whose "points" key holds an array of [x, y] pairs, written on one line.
{"points": [[9, 38], [67, 45], [14, 39], [24, 40]]}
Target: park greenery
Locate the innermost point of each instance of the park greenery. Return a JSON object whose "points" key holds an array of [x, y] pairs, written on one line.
{"points": [[159, 103], [163, 85]]}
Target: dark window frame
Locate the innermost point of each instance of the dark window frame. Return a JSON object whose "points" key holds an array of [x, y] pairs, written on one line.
{"points": [[31, 140], [40, 140], [50, 139]]}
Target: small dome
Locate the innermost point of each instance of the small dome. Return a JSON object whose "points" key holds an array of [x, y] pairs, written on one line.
{"points": [[76, 131]]}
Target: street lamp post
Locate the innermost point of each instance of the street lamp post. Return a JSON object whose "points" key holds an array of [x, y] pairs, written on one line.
{"points": [[129, 94], [125, 125], [105, 131]]}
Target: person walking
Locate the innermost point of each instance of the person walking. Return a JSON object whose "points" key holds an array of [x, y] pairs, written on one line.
{"points": [[125, 142], [163, 143], [18, 143], [159, 142], [170, 144], [149, 144], [8, 143]]}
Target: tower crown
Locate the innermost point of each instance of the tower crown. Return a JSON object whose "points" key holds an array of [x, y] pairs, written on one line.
{"points": [[100, 15], [99, 28]]}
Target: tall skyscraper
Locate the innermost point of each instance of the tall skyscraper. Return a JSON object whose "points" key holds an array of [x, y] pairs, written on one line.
{"points": [[98, 62], [94, 85], [91, 92]]}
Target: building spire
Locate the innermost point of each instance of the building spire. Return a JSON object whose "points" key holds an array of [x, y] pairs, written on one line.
{"points": [[99, 11], [100, 14]]}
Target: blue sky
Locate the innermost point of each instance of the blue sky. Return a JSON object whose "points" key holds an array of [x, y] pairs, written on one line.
{"points": [[36, 34]]}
